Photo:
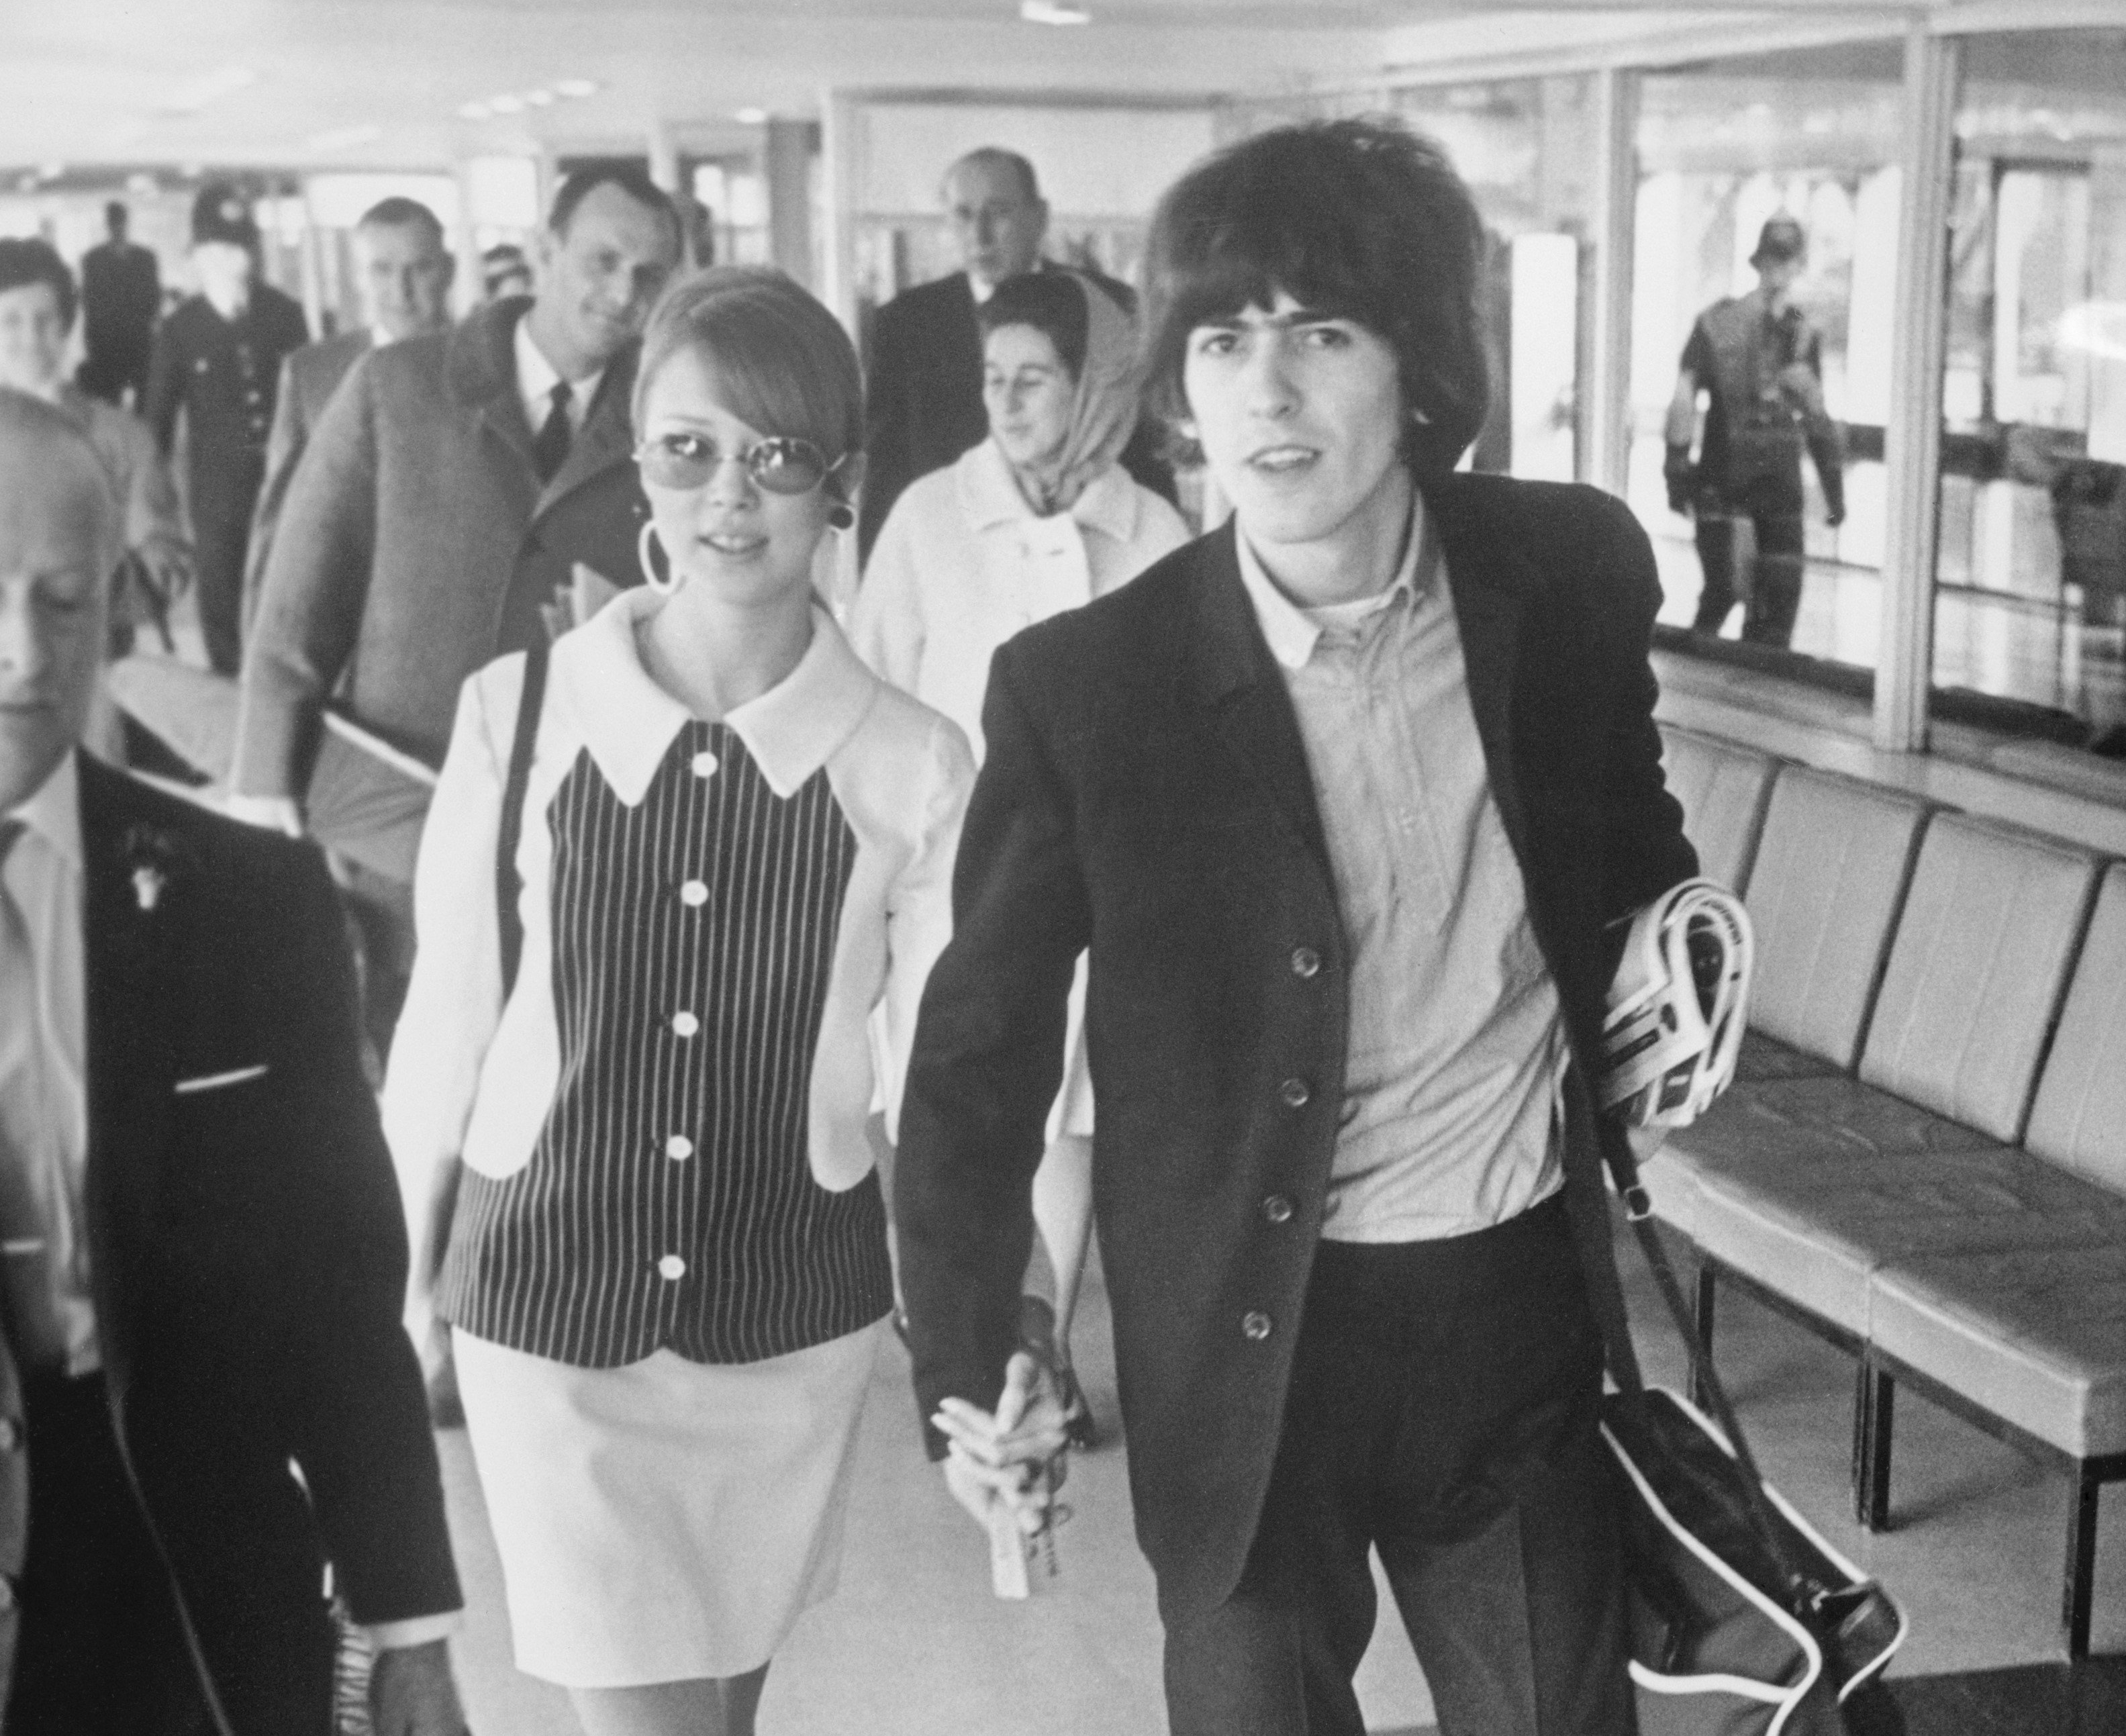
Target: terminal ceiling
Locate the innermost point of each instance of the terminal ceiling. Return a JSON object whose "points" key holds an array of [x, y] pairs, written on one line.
{"points": [[388, 83]]}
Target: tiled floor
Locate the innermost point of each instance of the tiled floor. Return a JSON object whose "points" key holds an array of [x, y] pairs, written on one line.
{"points": [[914, 1644]]}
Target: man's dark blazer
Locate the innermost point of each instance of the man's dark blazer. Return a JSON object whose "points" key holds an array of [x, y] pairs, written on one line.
{"points": [[247, 1254], [1147, 794], [923, 398], [308, 378], [417, 543]]}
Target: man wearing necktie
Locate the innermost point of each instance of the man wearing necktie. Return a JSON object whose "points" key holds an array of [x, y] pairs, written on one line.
{"points": [[447, 493], [205, 1397]]}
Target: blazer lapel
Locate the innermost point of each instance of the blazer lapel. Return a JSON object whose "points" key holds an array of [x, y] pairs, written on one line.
{"points": [[483, 375], [1237, 678], [607, 437], [133, 895], [1492, 582]]}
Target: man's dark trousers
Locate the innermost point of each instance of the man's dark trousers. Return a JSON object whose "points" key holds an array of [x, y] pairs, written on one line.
{"points": [[1443, 1408], [1772, 509]]}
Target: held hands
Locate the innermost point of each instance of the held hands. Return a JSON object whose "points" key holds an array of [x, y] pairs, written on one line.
{"points": [[412, 1693], [999, 1457]]}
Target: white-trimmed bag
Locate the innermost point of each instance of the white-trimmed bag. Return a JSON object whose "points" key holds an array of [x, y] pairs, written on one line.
{"points": [[1719, 1647], [1743, 1621]]}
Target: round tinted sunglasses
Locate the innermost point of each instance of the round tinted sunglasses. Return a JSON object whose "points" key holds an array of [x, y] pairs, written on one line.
{"points": [[688, 460]]}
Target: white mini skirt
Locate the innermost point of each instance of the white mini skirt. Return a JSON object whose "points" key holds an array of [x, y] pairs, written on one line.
{"points": [[666, 1521]]}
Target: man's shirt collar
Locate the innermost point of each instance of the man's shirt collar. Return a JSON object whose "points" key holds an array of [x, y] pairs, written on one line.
{"points": [[536, 377], [53, 812], [1293, 631], [628, 722]]}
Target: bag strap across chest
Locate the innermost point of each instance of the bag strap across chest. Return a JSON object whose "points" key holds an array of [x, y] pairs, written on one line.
{"points": [[508, 884]]}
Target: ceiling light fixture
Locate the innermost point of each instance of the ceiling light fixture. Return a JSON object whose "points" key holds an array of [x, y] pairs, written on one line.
{"points": [[752, 116], [576, 87], [540, 98], [506, 104], [1048, 11]]}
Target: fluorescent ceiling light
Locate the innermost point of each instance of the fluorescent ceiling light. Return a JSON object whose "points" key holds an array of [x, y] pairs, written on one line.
{"points": [[506, 104], [752, 116], [576, 87], [1048, 12], [540, 98]]}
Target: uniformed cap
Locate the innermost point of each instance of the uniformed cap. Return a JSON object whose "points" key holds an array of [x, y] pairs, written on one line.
{"points": [[222, 214], [1781, 239]]}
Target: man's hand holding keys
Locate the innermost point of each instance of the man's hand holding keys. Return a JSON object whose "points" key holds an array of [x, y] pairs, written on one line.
{"points": [[1000, 1463]]}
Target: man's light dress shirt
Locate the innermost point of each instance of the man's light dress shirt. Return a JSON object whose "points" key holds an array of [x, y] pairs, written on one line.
{"points": [[43, 1088], [472, 1076], [1452, 1091], [42, 875], [536, 377]]}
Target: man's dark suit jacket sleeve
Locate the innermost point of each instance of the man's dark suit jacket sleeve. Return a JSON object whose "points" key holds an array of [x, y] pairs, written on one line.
{"points": [[889, 432], [356, 1417], [166, 385], [1648, 853], [312, 594], [988, 1061]]}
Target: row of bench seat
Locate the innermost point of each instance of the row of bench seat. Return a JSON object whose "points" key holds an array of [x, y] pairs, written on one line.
{"points": [[1924, 1156]]}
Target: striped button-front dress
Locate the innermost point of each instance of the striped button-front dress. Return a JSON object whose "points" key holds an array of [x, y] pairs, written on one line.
{"points": [[667, 1266]]}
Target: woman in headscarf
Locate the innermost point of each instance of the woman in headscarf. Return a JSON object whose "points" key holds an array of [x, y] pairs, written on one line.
{"points": [[1038, 519]]}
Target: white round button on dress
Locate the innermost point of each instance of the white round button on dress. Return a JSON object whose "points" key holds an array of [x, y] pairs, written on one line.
{"points": [[705, 764], [678, 1146], [695, 892], [685, 1024], [672, 1266]]}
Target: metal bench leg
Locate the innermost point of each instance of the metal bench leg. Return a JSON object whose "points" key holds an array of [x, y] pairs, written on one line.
{"points": [[1874, 1422], [2081, 1561], [1701, 1314]]}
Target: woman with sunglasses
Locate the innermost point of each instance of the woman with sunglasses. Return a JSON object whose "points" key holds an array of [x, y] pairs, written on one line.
{"points": [[668, 1269], [1039, 518]]}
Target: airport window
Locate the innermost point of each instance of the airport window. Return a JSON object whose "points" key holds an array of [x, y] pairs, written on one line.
{"points": [[1529, 151], [1785, 160], [2030, 577]]}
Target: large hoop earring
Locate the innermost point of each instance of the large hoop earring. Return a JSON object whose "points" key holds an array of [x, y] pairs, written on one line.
{"points": [[646, 551], [839, 517]]}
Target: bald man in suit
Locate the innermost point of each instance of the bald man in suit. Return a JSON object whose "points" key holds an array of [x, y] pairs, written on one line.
{"points": [[206, 1399]]}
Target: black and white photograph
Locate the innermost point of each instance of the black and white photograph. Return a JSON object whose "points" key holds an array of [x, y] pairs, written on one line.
{"points": [[1062, 867]]}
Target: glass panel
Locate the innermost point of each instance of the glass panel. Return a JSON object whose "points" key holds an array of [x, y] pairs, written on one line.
{"points": [[2030, 581], [1529, 149], [1809, 135]]}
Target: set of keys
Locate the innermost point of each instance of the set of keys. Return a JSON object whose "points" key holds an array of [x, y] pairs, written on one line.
{"points": [[1012, 1550]]}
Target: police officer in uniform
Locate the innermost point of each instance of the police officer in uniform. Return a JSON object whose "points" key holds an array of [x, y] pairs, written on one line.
{"points": [[1760, 363], [217, 359]]}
